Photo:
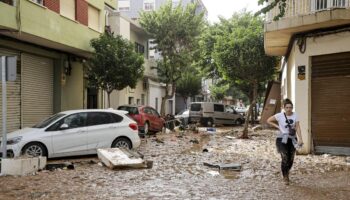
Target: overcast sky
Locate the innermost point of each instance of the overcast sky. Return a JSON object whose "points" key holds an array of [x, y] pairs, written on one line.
{"points": [[226, 8]]}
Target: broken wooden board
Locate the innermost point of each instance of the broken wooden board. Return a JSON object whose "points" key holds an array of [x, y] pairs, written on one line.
{"points": [[221, 166], [117, 158]]}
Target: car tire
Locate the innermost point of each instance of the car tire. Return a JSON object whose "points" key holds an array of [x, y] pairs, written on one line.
{"points": [[122, 142], [146, 128], [210, 122], [238, 122], [34, 149]]}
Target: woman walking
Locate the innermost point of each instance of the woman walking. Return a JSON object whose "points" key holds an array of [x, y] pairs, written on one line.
{"points": [[289, 136]]}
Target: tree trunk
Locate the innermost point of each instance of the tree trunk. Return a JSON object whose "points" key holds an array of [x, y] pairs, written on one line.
{"points": [[166, 97], [185, 101], [249, 114], [109, 99]]}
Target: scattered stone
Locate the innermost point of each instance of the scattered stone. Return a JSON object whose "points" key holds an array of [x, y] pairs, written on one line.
{"points": [[213, 173], [194, 141], [205, 150], [230, 137], [100, 164]]}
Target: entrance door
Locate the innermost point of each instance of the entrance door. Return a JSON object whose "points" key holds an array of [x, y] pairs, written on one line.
{"points": [[330, 103]]}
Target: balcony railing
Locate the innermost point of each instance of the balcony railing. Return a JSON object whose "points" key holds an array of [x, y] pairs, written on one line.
{"points": [[305, 7]]}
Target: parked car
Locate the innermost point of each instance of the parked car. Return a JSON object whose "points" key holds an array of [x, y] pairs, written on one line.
{"points": [[147, 118], [183, 116], [209, 113], [75, 132]]}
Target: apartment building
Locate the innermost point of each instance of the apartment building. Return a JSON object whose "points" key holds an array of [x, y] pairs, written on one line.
{"points": [[51, 41], [314, 40]]}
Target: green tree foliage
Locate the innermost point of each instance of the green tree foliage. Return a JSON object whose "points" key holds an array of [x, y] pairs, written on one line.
{"points": [[218, 92], [114, 65], [282, 5], [175, 31], [240, 56], [189, 84]]}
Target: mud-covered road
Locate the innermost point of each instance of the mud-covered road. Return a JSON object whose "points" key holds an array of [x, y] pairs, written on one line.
{"points": [[178, 173]]}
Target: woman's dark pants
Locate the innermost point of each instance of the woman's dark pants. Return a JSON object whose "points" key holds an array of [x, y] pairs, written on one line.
{"points": [[287, 152]]}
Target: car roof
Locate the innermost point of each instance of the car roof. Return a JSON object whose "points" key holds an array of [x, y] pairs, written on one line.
{"points": [[68, 112]]}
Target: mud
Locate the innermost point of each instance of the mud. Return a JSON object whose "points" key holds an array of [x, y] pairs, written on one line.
{"points": [[178, 173]]}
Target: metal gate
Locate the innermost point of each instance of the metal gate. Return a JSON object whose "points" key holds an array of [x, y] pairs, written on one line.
{"points": [[330, 103]]}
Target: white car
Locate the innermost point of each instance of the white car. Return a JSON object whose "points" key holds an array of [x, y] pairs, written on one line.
{"points": [[75, 132], [183, 116]]}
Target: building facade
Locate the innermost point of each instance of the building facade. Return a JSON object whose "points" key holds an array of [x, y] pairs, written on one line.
{"points": [[147, 91], [314, 39], [51, 41]]}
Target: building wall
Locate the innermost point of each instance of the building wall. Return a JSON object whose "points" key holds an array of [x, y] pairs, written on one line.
{"points": [[301, 89]]}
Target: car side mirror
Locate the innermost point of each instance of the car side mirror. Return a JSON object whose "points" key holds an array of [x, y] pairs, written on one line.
{"points": [[64, 127]]}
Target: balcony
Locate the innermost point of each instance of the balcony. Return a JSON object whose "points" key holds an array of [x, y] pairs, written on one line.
{"points": [[302, 16], [36, 24], [149, 72]]}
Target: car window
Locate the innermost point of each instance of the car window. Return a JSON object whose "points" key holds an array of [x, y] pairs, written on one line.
{"points": [[147, 111], [154, 112], [98, 118], [195, 107], [131, 110], [218, 108], [116, 118], [48, 121], [76, 120]]}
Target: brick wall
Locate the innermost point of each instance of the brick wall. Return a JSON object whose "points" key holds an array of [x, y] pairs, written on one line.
{"points": [[82, 11], [53, 5]]}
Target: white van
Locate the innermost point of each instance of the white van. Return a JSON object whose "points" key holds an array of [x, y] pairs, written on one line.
{"points": [[209, 113]]}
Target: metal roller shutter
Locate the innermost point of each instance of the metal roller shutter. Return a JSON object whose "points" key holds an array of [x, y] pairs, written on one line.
{"points": [[37, 89], [330, 108], [13, 97]]}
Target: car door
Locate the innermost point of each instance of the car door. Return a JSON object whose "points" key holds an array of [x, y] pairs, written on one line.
{"points": [[69, 135], [219, 114], [150, 117], [158, 121], [101, 128], [230, 115]]}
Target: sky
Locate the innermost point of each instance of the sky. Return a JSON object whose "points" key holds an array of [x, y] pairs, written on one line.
{"points": [[226, 8]]}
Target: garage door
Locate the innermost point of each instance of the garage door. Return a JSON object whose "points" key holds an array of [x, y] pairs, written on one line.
{"points": [[330, 108], [13, 121], [37, 89]]}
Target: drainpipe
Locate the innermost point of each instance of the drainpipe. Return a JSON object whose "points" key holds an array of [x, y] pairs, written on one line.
{"points": [[17, 3]]}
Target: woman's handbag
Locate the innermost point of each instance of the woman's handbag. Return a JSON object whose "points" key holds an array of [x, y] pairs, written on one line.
{"points": [[292, 131]]}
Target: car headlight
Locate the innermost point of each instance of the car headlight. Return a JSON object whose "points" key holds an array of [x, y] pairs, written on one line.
{"points": [[14, 140]]}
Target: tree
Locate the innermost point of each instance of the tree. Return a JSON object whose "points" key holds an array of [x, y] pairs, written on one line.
{"points": [[282, 5], [175, 31], [241, 58], [114, 65], [218, 92], [189, 84]]}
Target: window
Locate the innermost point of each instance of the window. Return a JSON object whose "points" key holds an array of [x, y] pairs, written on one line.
{"points": [[131, 110], [326, 4], [48, 121], [148, 5], [196, 107], [124, 5], [148, 111], [142, 99], [41, 2], [219, 108], [155, 113], [94, 18], [138, 101], [76, 120], [99, 118], [131, 100], [116, 118], [67, 8], [156, 104], [139, 48]]}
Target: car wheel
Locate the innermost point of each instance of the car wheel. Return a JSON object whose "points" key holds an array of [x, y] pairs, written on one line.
{"points": [[34, 150], [146, 128], [239, 122], [210, 122], [121, 143]]}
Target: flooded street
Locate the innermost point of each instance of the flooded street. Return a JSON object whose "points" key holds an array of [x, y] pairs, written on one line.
{"points": [[178, 172]]}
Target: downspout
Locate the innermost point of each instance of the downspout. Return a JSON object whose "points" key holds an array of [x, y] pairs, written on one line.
{"points": [[18, 16]]}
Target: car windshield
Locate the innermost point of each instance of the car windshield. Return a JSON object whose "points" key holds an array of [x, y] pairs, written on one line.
{"points": [[48, 121], [131, 110], [195, 107]]}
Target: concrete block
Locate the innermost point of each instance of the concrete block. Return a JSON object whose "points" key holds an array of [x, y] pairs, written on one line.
{"points": [[120, 158], [22, 166]]}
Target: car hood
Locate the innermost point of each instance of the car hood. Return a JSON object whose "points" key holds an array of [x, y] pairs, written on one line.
{"points": [[22, 132]]}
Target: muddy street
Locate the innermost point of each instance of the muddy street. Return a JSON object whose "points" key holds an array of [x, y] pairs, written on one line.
{"points": [[178, 172]]}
